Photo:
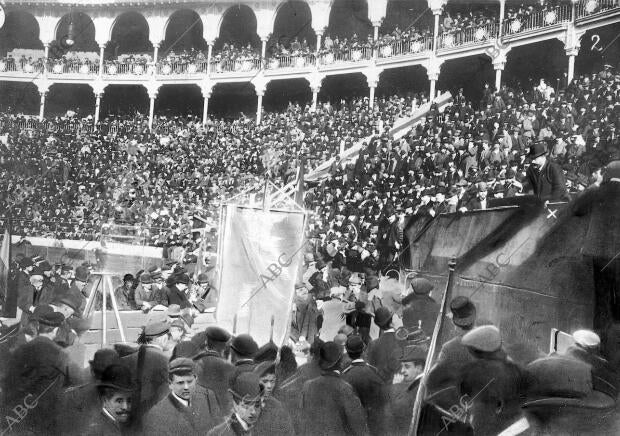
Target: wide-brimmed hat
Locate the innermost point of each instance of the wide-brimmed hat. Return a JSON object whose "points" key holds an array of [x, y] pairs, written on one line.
{"points": [[383, 316], [537, 149], [329, 355], [244, 345], [563, 382], [118, 377]]}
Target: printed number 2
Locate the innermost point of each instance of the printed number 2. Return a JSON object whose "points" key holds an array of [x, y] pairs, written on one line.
{"points": [[596, 39]]}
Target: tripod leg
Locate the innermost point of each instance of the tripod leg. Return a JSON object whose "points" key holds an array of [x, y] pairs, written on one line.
{"points": [[115, 308], [104, 316]]}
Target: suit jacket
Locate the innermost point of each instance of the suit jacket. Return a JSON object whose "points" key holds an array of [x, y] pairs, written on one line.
{"points": [[384, 354], [213, 373], [423, 308], [77, 406], [371, 390], [274, 420], [102, 425], [454, 351], [401, 400], [176, 296], [169, 416], [549, 183], [332, 408], [154, 379]]}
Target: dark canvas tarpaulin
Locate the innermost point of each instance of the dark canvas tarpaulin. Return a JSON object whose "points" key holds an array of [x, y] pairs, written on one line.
{"points": [[521, 266]]}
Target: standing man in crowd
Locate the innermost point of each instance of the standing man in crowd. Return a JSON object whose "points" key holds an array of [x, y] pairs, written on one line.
{"points": [[544, 178], [189, 409]]}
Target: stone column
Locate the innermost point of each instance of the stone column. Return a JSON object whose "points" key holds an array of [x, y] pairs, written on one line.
{"points": [[502, 14], [101, 55], [152, 97], [206, 89], [43, 94], [97, 107], [572, 54], [209, 56]]}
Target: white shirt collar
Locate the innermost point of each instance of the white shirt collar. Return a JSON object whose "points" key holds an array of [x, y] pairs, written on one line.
{"points": [[614, 179], [181, 400], [357, 361], [390, 330]]}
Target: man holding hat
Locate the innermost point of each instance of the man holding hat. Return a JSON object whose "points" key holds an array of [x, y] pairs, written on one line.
{"points": [[37, 367], [366, 383], [189, 408], [420, 310], [247, 403], [116, 389], [384, 352], [330, 402], [544, 178]]}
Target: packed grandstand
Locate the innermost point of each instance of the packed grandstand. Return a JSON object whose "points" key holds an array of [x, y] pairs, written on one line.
{"points": [[508, 136]]}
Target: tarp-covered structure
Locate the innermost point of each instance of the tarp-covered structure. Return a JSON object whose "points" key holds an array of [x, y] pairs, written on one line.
{"points": [[521, 266]]}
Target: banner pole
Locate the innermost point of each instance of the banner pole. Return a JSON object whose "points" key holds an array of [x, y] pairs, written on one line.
{"points": [[421, 394]]}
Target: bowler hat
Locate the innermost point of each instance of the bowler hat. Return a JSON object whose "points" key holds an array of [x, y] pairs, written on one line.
{"points": [[383, 316], [46, 315], [82, 273], [217, 334], [102, 359], [146, 279], [117, 376], [463, 311], [538, 149], [71, 299], [354, 344], [202, 278], [244, 345], [156, 328], [329, 355]]}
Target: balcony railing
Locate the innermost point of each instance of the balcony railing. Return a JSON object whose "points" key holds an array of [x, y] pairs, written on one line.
{"points": [[349, 55], [19, 67], [235, 66], [472, 36], [182, 68], [398, 48], [297, 61], [538, 20], [590, 7], [127, 69], [73, 67]]}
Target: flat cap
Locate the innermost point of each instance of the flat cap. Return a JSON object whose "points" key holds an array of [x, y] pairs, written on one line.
{"points": [[413, 353], [587, 338], [246, 387], [244, 345], [181, 364], [485, 338], [217, 334]]}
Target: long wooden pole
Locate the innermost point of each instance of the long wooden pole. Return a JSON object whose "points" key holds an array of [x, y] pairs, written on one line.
{"points": [[421, 394]]}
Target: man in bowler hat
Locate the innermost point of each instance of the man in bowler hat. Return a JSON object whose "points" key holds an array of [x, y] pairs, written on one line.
{"points": [[544, 178]]}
